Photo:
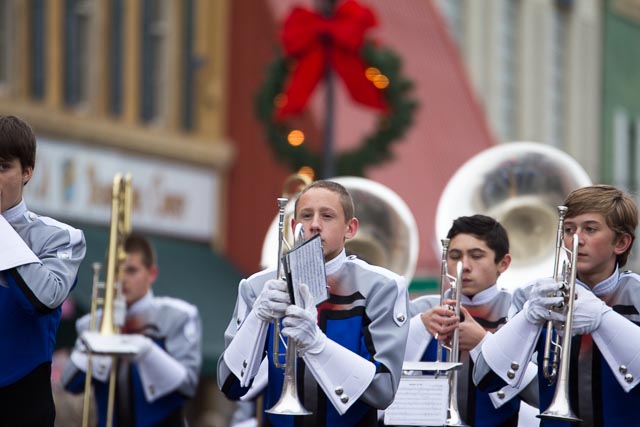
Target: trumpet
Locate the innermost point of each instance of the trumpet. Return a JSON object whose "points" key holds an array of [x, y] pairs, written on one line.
{"points": [[453, 412], [289, 403], [556, 356]]}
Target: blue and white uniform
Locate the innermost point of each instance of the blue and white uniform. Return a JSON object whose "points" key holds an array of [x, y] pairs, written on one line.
{"points": [[358, 371], [604, 365], [154, 389], [478, 408], [31, 296]]}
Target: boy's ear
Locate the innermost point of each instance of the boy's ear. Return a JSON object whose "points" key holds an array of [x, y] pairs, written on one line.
{"points": [[27, 173], [504, 263], [352, 228], [622, 243]]}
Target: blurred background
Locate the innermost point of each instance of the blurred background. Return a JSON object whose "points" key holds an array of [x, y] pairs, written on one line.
{"points": [[167, 90]]}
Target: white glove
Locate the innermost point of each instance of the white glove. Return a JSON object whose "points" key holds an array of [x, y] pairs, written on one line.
{"points": [[138, 344], [587, 312], [300, 324], [538, 307], [272, 301]]}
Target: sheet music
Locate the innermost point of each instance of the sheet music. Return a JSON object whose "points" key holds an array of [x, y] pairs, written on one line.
{"points": [[421, 400], [305, 263], [13, 250]]}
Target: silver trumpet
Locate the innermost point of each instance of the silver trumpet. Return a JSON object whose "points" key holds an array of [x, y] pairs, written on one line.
{"points": [[453, 413], [289, 403], [556, 357]]}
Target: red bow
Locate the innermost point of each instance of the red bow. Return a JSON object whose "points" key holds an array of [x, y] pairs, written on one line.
{"points": [[314, 40]]}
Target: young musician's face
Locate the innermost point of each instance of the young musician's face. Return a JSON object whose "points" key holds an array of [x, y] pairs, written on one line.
{"points": [[12, 180], [320, 212], [479, 270], [598, 246], [136, 278]]}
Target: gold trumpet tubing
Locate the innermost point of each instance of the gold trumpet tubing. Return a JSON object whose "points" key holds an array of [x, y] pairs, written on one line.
{"points": [[86, 399], [119, 228]]}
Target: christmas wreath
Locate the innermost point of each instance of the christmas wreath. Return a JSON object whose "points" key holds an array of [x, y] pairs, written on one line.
{"points": [[371, 73]]}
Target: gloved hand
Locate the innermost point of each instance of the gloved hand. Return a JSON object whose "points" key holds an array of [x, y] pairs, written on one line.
{"points": [[587, 311], [141, 343], [300, 324], [538, 307], [272, 301]]}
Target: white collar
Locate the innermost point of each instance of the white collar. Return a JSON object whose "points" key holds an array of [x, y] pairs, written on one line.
{"points": [[141, 305], [16, 211], [607, 286], [333, 265], [481, 297]]}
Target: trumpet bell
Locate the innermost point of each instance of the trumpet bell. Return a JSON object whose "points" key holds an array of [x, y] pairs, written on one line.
{"points": [[520, 184], [387, 235]]}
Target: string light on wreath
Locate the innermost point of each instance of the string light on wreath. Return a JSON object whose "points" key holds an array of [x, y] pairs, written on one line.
{"points": [[371, 73]]}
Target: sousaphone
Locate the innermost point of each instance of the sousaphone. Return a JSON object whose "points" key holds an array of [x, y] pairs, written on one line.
{"points": [[520, 184], [387, 235]]}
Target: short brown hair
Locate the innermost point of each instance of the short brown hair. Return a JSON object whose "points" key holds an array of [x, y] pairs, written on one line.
{"points": [[17, 141], [618, 208], [345, 197], [138, 244]]}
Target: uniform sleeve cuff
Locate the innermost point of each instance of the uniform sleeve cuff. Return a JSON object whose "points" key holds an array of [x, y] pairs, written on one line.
{"points": [[618, 340], [342, 374], [511, 348], [160, 373], [244, 354]]}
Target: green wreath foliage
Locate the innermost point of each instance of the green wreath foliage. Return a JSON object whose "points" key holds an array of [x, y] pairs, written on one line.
{"points": [[374, 148]]}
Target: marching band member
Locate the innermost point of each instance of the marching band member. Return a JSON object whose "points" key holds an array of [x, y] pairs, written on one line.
{"points": [[349, 343], [38, 269], [154, 386], [482, 245], [604, 363]]}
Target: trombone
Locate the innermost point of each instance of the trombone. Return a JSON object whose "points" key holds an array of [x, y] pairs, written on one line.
{"points": [[112, 301], [556, 357]]}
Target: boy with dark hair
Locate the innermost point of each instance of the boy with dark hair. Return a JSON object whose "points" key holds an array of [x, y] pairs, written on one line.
{"points": [[604, 364], [350, 345], [38, 269], [482, 245]]}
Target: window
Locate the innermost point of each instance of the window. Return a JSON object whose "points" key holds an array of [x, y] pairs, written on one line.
{"points": [[115, 57], [626, 152], [6, 37], [37, 43], [76, 57], [508, 70], [453, 11], [153, 78], [557, 89], [190, 66]]}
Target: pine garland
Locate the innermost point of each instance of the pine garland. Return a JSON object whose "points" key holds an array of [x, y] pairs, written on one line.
{"points": [[374, 149]]}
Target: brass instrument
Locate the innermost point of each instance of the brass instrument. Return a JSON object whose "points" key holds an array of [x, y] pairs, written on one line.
{"points": [[560, 408], [112, 301], [453, 357], [387, 235], [519, 184], [289, 403], [551, 349]]}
